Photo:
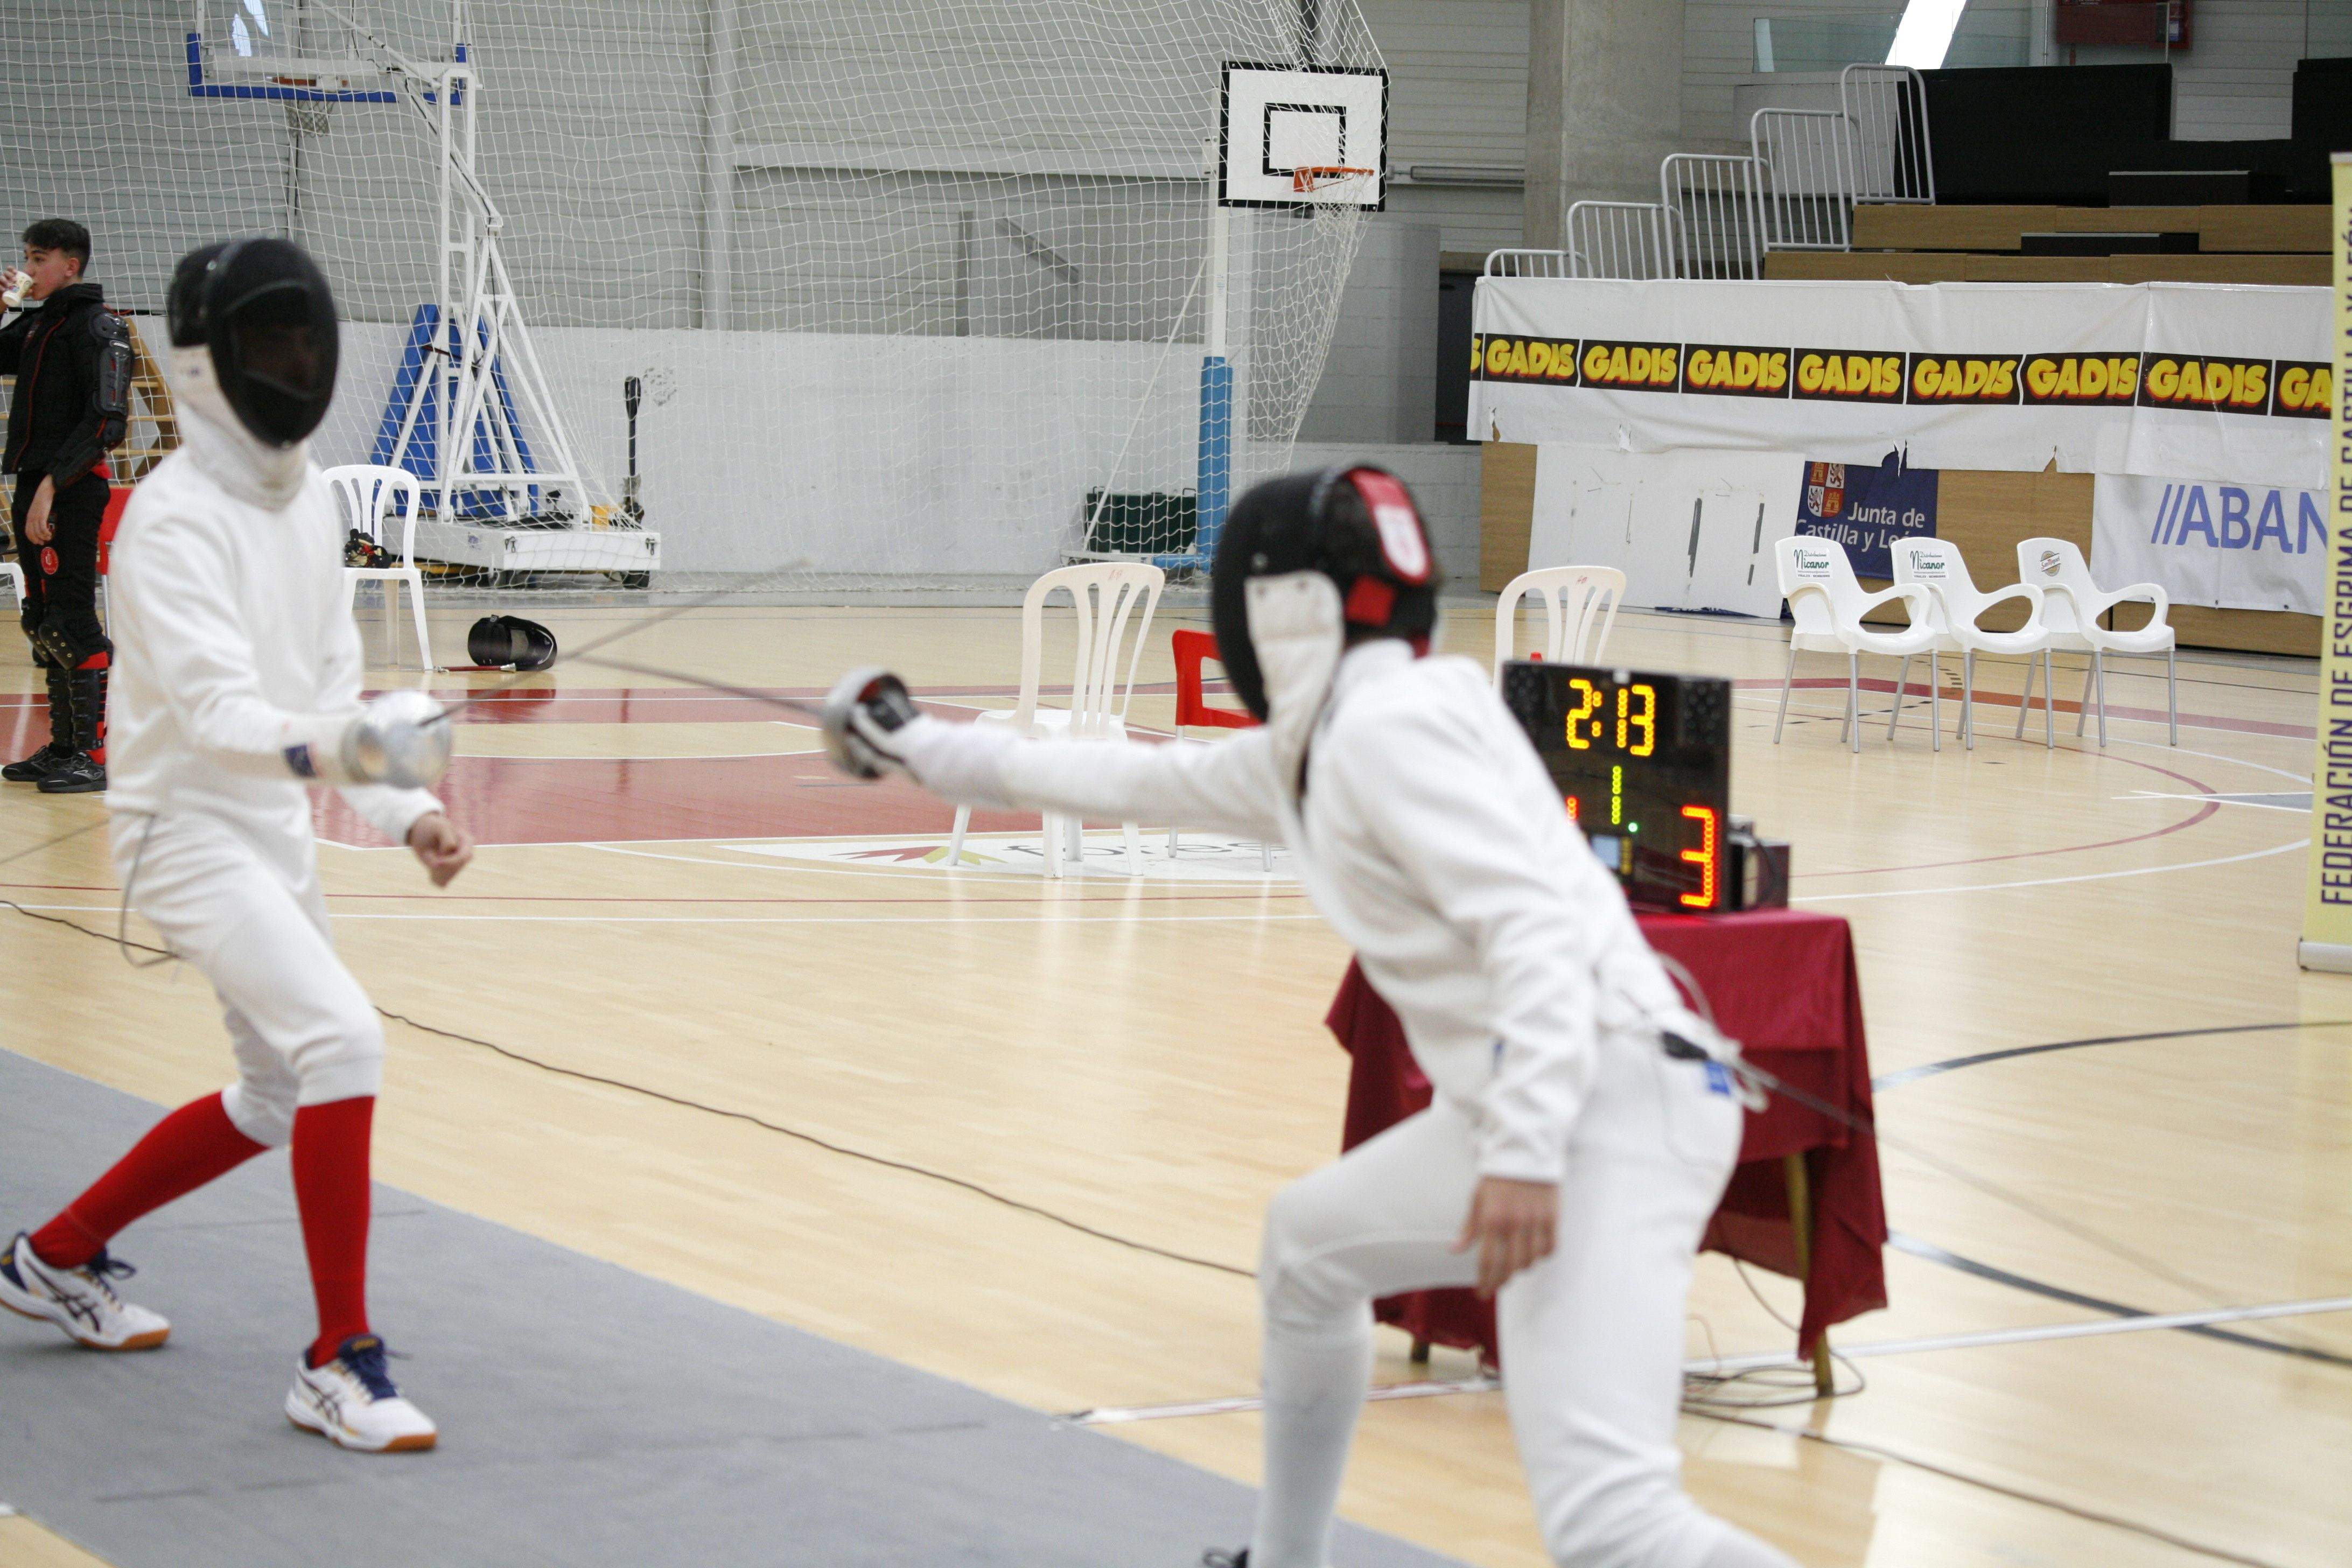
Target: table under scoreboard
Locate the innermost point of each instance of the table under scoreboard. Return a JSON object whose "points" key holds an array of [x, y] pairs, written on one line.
{"points": [[1643, 762]]}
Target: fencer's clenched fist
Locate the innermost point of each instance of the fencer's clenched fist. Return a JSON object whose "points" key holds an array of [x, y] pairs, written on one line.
{"points": [[863, 716], [441, 847], [401, 739], [1512, 1225]]}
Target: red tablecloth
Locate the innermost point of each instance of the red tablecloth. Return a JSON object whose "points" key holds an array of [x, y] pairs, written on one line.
{"points": [[1783, 985]]}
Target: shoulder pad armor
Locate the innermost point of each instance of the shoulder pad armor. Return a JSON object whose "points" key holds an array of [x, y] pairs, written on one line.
{"points": [[113, 365]]}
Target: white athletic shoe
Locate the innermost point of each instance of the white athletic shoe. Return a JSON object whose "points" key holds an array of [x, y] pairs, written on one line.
{"points": [[352, 1402], [80, 1301]]}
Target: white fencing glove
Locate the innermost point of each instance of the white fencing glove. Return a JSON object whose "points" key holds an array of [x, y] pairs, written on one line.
{"points": [[872, 727], [863, 715], [401, 739]]}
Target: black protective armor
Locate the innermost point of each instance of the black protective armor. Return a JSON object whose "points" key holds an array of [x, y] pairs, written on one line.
{"points": [[71, 359]]}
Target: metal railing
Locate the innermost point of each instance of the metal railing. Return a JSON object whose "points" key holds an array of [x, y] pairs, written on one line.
{"points": [[1528, 264], [1718, 214], [1888, 106], [1715, 209], [1808, 157], [1629, 241]]}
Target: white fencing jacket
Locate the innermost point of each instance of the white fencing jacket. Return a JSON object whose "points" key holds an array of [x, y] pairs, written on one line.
{"points": [[1430, 837], [232, 643]]}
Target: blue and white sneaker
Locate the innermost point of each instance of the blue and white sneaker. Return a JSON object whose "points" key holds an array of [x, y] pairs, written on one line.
{"points": [[80, 1301], [352, 1402]]}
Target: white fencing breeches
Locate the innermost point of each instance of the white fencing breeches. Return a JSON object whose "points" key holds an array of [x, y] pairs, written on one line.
{"points": [[250, 915], [1591, 1337]]}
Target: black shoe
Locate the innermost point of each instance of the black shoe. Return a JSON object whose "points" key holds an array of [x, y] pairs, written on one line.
{"points": [[76, 775], [1216, 1558], [39, 765], [49, 758]]}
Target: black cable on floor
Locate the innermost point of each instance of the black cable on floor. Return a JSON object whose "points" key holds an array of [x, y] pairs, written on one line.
{"points": [[1896, 1456], [811, 1137], [795, 1132]]}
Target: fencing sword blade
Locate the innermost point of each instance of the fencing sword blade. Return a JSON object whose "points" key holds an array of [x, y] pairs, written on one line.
{"points": [[791, 704], [630, 630]]}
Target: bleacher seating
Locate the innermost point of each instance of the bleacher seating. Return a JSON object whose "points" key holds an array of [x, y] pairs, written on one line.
{"points": [[1998, 243]]}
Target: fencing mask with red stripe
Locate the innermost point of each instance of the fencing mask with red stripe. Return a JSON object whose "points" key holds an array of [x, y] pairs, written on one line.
{"points": [[1357, 527]]}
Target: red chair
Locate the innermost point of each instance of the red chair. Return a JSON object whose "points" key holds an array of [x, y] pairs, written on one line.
{"points": [[1191, 649]]}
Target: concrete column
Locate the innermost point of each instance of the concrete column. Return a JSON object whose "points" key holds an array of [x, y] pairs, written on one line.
{"points": [[1605, 104]]}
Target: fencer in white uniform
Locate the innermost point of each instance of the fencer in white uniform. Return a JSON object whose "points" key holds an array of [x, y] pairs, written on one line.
{"points": [[1567, 1158], [236, 681]]}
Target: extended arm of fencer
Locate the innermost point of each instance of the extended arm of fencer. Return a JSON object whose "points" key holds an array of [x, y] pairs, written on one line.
{"points": [[1427, 789], [173, 584], [390, 808], [1229, 785]]}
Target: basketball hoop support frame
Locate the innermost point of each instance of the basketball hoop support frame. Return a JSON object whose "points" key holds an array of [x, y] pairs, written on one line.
{"points": [[479, 352], [1214, 481]]}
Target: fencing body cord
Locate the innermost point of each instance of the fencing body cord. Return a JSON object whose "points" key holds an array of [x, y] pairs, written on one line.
{"points": [[1705, 1409]]}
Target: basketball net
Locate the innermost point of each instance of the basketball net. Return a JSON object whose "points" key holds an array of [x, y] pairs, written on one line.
{"points": [[1308, 178]]}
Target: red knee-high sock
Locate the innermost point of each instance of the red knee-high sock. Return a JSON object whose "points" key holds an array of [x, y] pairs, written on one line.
{"points": [[179, 1155], [330, 1188]]}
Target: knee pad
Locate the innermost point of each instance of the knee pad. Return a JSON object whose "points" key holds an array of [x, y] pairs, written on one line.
{"points": [[71, 641], [345, 1061]]}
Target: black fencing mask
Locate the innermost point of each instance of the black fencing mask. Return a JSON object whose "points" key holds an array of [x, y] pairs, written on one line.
{"points": [[261, 308], [1357, 526], [509, 639]]}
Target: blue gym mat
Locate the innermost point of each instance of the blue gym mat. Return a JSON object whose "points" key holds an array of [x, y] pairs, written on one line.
{"points": [[589, 1415]]}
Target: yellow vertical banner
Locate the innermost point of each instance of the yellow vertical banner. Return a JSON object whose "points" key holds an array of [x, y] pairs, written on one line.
{"points": [[2327, 875]]}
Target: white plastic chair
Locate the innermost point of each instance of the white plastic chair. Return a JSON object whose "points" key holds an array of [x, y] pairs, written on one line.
{"points": [[2072, 605], [367, 495], [1574, 598], [1935, 564], [1104, 595], [1827, 604]]}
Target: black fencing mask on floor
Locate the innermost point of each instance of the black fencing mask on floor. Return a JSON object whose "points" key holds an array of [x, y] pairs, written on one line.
{"points": [[510, 639]]}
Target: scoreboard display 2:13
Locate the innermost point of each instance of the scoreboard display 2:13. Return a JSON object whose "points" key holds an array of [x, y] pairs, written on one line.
{"points": [[1643, 764]]}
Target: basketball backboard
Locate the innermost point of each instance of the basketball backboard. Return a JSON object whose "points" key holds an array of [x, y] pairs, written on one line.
{"points": [[1293, 136], [279, 50]]}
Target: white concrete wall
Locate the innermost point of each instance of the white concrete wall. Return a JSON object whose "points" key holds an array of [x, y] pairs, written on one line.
{"points": [[1445, 484], [853, 453], [1379, 382], [1458, 99]]}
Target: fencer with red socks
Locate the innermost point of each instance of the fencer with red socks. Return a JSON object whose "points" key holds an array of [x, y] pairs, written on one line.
{"points": [[1569, 1163], [237, 682]]}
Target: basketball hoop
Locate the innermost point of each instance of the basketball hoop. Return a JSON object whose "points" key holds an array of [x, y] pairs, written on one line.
{"points": [[1310, 177]]}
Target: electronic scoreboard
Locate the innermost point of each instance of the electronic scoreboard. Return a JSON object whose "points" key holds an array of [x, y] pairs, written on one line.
{"points": [[1645, 763]]}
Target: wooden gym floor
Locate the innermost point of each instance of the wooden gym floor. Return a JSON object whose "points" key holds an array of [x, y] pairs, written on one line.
{"points": [[677, 897]]}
